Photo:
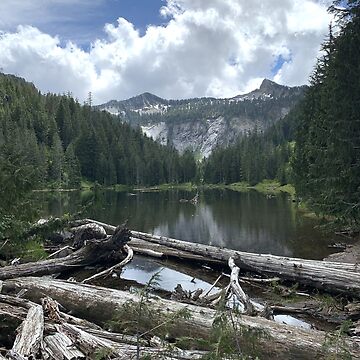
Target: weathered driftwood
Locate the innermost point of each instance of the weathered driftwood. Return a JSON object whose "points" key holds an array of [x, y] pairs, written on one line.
{"points": [[130, 255], [90, 344], [146, 248], [101, 304], [59, 346], [325, 275], [332, 277], [29, 339], [93, 251]]}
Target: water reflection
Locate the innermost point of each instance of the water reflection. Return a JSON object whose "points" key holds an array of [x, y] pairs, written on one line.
{"points": [[141, 270], [243, 221]]}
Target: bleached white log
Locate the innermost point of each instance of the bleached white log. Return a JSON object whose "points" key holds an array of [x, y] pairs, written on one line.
{"points": [[59, 346], [97, 303], [29, 339]]}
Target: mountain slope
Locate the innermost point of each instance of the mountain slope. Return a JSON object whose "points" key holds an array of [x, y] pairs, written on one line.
{"points": [[58, 142], [201, 124]]}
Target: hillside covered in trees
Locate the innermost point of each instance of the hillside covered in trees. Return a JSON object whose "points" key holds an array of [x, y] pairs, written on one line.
{"points": [[57, 141], [257, 156]]}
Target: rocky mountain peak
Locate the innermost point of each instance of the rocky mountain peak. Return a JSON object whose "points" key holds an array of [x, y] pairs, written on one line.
{"points": [[268, 85]]}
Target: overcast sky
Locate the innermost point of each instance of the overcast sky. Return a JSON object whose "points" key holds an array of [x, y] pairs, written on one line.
{"points": [[172, 48]]}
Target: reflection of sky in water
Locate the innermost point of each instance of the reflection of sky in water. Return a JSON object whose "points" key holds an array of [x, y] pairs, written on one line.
{"points": [[290, 320], [141, 270]]}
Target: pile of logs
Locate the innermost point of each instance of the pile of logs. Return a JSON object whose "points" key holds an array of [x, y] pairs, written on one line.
{"points": [[59, 319]]}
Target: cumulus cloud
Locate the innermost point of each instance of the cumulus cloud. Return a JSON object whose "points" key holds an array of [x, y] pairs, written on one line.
{"points": [[205, 48]]}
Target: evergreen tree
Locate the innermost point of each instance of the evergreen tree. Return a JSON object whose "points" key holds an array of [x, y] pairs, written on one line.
{"points": [[327, 155]]}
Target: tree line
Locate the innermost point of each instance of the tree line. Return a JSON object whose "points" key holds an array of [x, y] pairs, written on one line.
{"points": [[59, 142], [327, 153], [256, 156]]}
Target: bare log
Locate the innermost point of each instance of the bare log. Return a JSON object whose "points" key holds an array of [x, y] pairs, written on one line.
{"points": [[59, 346], [246, 305], [89, 344], [92, 252], [130, 255], [100, 304], [29, 339], [329, 276]]}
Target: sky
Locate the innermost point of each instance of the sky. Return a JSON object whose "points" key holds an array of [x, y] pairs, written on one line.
{"points": [[175, 49]]}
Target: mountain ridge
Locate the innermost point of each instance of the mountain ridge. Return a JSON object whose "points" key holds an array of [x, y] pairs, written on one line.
{"points": [[202, 124]]}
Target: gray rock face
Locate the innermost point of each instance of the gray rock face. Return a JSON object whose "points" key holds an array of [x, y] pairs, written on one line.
{"points": [[203, 124]]}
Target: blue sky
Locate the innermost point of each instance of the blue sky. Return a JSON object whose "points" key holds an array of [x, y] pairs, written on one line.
{"points": [[89, 22], [82, 21], [173, 48]]}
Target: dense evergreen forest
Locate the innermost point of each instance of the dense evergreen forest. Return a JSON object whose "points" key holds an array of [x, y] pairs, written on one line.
{"points": [[327, 153], [256, 156], [58, 142], [317, 145]]}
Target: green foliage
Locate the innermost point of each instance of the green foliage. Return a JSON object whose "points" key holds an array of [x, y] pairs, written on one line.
{"points": [[232, 340], [327, 155], [335, 343], [103, 354], [256, 156], [61, 142]]}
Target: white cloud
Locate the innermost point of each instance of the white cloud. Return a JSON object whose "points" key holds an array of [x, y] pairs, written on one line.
{"points": [[206, 48]]}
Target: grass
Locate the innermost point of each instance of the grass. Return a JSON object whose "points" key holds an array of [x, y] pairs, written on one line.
{"points": [[274, 187], [268, 187], [164, 187]]}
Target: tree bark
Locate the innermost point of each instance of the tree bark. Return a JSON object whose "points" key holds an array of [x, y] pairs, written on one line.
{"points": [[329, 276], [100, 304], [92, 252], [29, 339]]}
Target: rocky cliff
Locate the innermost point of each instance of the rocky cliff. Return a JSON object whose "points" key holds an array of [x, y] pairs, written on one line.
{"points": [[202, 124]]}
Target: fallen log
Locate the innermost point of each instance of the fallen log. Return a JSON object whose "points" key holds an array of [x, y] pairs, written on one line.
{"points": [[29, 339], [93, 251], [143, 247], [332, 277], [326, 275], [100, 304], [130, 255], [59, 346]]}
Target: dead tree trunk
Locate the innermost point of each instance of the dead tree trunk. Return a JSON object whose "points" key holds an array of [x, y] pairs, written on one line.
{"points": [[101, 304], [93, 251], [330, 276], [29, 339]]}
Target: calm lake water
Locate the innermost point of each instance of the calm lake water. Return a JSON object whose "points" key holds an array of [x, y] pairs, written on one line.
{"points": [[243, 221]]}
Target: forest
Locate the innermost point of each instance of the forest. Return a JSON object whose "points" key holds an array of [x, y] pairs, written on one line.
{"points": [[59, 142], [81, 309]]}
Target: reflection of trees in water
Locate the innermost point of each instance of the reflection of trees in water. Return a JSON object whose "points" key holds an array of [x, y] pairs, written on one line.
{"points": [[244, 221], [227, 223]]}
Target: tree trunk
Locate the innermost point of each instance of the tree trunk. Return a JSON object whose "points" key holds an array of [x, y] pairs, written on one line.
{"points": [[92, 252], [100, 304], [329, 276], [29, 339]]}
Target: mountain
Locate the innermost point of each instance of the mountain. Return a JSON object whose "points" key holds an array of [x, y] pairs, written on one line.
{"points": [[201, 124]]}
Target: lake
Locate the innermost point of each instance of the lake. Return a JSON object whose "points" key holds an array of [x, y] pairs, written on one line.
{"points": [[248, 221]]}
